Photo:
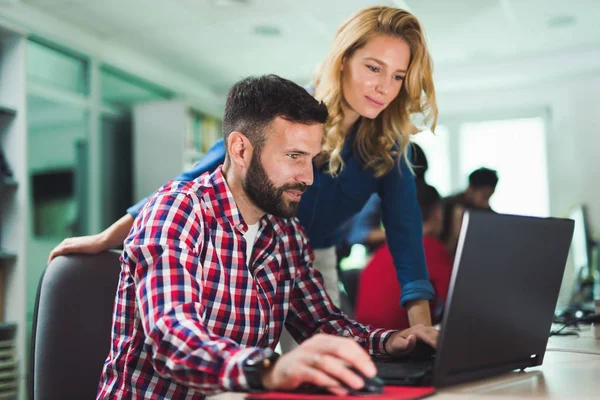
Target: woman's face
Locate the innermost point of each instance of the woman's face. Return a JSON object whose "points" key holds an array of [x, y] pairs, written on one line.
{"points": [[373, 75]]}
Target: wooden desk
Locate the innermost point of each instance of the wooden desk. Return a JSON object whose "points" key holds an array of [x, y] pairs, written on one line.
{"points": [[562, 376]]}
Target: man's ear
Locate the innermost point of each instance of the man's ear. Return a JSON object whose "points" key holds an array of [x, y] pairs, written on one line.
{"points": [[239, 149]]}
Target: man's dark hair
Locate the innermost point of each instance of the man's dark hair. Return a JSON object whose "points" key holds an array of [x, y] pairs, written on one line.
{"points": [[429, 199], [483, 177], [419, 162], [253, 103]]}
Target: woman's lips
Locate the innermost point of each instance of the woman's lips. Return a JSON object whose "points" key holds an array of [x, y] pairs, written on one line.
{"points": [[374, 102]]}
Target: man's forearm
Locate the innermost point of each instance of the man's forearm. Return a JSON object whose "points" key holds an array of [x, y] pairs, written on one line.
{"points": [[418, 312]]}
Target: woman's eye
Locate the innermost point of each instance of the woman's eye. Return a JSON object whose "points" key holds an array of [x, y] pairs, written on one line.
{"points": [[372, 68], [398, 78]]}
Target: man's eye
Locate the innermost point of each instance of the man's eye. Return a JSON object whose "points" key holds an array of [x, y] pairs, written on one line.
{"points": [[293, 156]]}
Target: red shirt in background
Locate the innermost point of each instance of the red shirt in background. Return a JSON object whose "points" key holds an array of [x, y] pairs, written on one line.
{"points": [[378, 297]]}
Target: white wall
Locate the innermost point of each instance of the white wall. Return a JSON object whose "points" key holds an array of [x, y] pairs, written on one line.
{"points": [[573, 99]]}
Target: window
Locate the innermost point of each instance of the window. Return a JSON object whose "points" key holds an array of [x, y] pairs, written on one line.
{"points": [[437, 151], [120, 89], [59, 69], [516, 148]]}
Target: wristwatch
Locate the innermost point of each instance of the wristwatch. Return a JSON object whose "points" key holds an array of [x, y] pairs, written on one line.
{"points": [[257, 365]]}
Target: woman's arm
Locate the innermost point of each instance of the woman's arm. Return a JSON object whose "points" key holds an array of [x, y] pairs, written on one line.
{"points": [[114, 235], [111, 237], [401, 217]]}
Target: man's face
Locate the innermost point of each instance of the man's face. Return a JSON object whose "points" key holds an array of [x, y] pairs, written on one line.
{"points": [[282, 170], [480, 196]]}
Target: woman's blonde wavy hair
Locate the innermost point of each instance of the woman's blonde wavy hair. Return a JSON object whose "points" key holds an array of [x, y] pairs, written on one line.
{"points": [[379, 141]]}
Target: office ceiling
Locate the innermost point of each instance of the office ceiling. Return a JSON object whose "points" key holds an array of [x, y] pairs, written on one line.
{"points": [[219, 41]]}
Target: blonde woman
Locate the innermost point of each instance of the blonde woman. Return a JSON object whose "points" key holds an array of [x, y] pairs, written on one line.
{"points": [[377, 74]]}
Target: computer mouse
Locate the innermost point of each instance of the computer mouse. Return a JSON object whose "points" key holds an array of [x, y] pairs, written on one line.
{"points": [[372, 386], [421, 352]]}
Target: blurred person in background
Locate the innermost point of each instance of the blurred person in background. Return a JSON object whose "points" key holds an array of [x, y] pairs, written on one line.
{"points": [[482, 185]]}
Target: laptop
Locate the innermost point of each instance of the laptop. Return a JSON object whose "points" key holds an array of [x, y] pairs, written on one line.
{"points": [[503, 291]]}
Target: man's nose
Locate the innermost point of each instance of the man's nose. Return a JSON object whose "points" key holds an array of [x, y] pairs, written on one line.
{"points": [[306, 174]]}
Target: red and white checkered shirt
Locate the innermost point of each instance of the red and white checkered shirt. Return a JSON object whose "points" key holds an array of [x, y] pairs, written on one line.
{"points": [[189, 309]]}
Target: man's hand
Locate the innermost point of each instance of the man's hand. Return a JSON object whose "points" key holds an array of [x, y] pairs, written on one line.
{"points": [[322, 360], [403, 342], [92, 244]]}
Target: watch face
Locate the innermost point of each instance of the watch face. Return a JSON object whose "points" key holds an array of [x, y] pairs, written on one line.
{"points": [[259, 358]]}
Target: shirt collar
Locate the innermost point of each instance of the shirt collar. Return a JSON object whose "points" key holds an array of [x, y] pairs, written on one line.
{"points": [[224, 200]]}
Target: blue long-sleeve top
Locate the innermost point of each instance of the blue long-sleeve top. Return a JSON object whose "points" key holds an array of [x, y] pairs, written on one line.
{"points": [[331, 201]]}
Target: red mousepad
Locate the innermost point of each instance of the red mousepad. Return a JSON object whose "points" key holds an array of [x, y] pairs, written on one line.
{"points": [[389, 393]]}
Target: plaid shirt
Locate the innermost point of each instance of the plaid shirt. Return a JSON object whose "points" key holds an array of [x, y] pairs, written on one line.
{"points": [[189, 309]]}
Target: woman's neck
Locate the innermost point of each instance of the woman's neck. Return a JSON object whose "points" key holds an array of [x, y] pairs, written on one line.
{"points": [[349, 119]]}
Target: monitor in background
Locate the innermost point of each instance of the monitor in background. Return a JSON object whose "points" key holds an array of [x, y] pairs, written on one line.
{"points": [[54, 204], [582, 250], [582, 244]]}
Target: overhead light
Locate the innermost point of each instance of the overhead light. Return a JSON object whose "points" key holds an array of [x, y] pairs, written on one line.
{"points": [[561, 21], [267, 30], [230, 3]]}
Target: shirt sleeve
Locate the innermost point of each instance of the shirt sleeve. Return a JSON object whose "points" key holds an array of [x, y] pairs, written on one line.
{"points": [[312, 312], [214, 157], [162, 259], [367, 220], [401, 217]]}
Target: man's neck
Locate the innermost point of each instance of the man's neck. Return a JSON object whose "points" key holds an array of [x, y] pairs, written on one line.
{"points": [[250, 213]]}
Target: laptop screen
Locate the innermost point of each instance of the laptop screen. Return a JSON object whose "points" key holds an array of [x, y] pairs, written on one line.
{"points": [[504, 288]]}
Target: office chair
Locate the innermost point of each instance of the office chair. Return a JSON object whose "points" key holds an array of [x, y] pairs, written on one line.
{"points": [[72, 323]]}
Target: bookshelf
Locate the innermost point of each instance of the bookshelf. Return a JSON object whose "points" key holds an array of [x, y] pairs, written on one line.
{"points": [[169, 137], [14, 211]]}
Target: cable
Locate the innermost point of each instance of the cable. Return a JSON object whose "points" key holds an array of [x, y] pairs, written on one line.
{"points": [[560, 332], [594, 353], [574, 323]]}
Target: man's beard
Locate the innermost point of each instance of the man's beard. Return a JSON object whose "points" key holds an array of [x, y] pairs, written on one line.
{"points": [[265, 195]]}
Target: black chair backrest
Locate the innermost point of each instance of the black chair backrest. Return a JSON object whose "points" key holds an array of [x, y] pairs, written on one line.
{"points": [[72, 323]]}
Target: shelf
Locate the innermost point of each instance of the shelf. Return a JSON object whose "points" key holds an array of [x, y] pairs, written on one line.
{"points": [[8, 183], [8, 111], [6, 257]]}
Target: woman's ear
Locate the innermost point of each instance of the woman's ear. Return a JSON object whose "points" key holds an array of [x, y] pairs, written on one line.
{"points": [[239, 149]]}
